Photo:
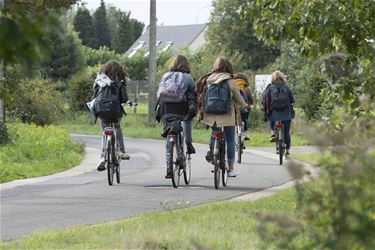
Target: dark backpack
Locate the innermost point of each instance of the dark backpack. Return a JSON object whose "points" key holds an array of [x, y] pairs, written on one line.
{"points": [[279, 97], [107, 104], [218, 98]]}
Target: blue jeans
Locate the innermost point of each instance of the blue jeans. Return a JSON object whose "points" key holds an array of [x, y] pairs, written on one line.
{"points": [[286, 130], [230, 134]]}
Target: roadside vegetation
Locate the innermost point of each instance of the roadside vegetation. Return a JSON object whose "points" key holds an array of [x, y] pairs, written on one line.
{"points": [[36, 151], [136, 125]]}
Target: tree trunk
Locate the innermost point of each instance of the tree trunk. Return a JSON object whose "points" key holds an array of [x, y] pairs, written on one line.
{"points": [[152, 63]]}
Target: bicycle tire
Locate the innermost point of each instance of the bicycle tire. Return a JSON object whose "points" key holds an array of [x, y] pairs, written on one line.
{"points": [[175, 166], [239, 149], [110, 166], [118, 173], [187, 169]]}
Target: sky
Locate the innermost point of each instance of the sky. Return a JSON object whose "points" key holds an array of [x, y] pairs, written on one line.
{"points": [[168, 12]]}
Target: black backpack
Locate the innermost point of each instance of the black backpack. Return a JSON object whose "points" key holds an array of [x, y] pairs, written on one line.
{"points": [[279, 97], [107, 104], [218, 98]]}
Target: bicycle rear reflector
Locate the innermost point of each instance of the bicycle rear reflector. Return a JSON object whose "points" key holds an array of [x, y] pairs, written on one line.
{"points": [[216, 135], [278, 125], [108, 132]]}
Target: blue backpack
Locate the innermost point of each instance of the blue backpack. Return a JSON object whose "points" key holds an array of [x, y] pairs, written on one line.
{"points": [[218, 98]]}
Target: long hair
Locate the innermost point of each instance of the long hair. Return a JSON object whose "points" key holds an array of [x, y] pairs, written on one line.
{"points": [[114, 70], [222, 65], [180, 64], [278, 76]]}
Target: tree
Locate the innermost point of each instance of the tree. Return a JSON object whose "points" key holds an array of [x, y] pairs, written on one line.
{"points": [[101, 26], [66, 57], [83, 24], [339, 35], [123, 29], [232, 34]]}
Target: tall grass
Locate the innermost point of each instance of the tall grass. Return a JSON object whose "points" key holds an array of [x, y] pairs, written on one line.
{"points": [[36, 151]]}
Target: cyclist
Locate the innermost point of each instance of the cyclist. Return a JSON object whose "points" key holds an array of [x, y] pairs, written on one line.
{"points": [[242, 82], [223, 70], [177, 99], [111, 74], [278, 102]]}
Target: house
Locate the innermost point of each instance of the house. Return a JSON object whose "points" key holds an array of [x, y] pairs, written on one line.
{"points": [[174, 37]]}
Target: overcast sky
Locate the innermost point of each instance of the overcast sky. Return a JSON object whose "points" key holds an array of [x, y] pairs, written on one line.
{"points": [[169, 12]]}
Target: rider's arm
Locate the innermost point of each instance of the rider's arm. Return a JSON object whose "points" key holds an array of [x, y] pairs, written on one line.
{"points": [[123, 93], [237, 95]]}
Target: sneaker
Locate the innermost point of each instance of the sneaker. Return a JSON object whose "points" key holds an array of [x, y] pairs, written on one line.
{"points": [[273, 138], [209, 156], [169, 173], [189, 148], [101, 165], [232, 173], [124, 156]]}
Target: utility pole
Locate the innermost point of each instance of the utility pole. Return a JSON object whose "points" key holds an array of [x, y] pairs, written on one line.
{"points": [[2, 75], [152, 63]]}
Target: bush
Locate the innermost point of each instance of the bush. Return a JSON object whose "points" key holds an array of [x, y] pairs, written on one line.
{"points": [[4, 134], [37, 101], [99, 56], [80, 91], [336, 209]]}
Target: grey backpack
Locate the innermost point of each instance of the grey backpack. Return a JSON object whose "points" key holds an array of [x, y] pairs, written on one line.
{"points": [[172, 88]]}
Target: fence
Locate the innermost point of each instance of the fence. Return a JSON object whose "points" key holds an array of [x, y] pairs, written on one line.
{"points": [[137, 91]]}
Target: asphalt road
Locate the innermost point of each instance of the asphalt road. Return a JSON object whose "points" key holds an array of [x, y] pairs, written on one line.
{"points": [[67, 201]]}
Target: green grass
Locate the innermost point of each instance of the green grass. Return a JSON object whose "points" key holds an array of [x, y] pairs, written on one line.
{"points": [[311, 158], [223, 225], [37, 151], [137, 126]]}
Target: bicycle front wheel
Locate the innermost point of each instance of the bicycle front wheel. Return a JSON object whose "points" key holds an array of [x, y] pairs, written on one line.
{"points": [[281, 151], [187, 169], [239, 149], [217, 162], [109, 163]]}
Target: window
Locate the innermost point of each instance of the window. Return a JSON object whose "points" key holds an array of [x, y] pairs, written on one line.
{"points": [[140, 45]]}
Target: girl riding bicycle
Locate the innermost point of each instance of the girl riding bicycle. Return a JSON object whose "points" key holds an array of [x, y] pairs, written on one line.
{"points": [[112, 75], [223, 71]]}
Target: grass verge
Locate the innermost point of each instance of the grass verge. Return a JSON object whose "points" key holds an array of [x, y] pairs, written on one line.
{"points": [[223, 225], [311, 158], [36, 151]]}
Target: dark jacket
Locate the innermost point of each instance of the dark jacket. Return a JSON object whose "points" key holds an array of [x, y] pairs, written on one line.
{"points": [[273, 115], [185, 110]]}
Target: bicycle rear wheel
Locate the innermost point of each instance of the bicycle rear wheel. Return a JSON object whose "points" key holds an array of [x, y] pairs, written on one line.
{"points": [[187, 169], [174, 164], [281, 151], [110, 166], [239, 149]]}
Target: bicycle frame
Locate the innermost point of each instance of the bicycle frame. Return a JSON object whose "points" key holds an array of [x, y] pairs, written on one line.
{"points": [[217, 148], [178, 162], [112, 157]]}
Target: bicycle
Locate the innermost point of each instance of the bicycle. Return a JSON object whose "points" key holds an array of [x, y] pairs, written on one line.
{"points": [[217, 148], [280, 140], [177, 159], [240, 143], [112, 150]]}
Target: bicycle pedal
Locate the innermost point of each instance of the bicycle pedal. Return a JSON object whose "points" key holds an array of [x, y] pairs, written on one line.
{"points": [[212, 171]]}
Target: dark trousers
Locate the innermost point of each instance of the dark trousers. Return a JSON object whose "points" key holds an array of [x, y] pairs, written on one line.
{"points": [[286, 131], [244, 118]]}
